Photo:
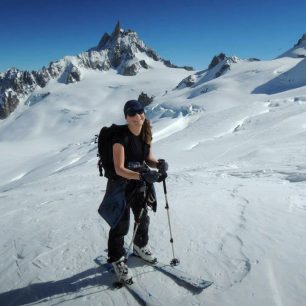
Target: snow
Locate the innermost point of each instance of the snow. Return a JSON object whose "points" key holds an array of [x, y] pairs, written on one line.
{"points": [[236, 187]]}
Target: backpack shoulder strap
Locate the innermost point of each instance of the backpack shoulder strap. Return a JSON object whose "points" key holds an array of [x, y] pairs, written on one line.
{"points": [[146, 150], [120, 131]]}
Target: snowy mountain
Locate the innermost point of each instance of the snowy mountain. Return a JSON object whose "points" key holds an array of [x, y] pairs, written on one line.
{"points": [[122, 51], [236, 185], [298, 50], [219, 65]]}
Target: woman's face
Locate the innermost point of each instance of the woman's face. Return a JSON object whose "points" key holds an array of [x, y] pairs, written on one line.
{"points": [[137, 120]]}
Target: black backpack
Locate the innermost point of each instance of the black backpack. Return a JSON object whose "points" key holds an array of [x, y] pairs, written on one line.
{"points": [[105, 149]]}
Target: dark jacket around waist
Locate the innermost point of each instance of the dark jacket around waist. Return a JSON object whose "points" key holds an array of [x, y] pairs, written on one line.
{"points": [[118, 193], [114, 201]]}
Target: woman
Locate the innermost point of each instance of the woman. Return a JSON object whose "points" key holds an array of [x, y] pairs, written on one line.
{"points": [[131, 151]]}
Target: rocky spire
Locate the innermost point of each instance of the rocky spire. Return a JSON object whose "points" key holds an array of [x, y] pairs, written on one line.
{"points": [[216, 60], [103, 41], [117, 29], [106, 37]]}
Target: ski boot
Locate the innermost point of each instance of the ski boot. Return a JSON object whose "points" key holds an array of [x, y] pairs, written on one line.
{"points": [[122, 271], [145, 253]]}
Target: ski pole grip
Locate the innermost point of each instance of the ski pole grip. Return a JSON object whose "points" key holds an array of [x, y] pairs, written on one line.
{"points": [[165, 187]]}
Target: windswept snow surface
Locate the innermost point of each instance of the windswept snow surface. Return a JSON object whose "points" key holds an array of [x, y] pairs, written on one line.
{"points": [[236, 189]]}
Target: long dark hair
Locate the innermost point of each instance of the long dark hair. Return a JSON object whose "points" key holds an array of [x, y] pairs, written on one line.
{"points": [[146, 131]]}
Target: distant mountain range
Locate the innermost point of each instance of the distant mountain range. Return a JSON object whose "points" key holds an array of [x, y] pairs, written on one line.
{"points": [[122, 51]]}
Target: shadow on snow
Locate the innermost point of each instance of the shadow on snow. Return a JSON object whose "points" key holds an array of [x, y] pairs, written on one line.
{"points": [[43, 292], [291, 79]]}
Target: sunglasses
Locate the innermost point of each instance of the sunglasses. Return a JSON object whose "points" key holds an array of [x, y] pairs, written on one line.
{"points": [[132, 112]]}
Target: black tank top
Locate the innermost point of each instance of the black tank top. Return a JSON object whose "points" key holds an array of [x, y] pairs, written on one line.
{"points": [[135, 149]]}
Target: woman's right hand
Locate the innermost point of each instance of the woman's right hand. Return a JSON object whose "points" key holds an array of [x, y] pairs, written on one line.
{"points": [[150, 176]]}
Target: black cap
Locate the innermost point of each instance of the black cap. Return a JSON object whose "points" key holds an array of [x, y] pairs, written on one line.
{"points": [[132, 105]]}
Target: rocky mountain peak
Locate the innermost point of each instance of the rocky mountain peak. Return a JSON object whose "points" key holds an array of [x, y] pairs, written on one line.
{"points": [[119, 51], [301, 41], [122, 47], [117, 29], [106, 38], [118, 37], [216, 60], [298, 50], [218, 66]]}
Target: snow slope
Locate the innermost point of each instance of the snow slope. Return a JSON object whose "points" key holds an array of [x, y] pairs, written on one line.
{"points": [[236, 188]]}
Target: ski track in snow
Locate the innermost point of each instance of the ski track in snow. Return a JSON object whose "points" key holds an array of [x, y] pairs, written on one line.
{"points": [[274, 287], [235, 264]]}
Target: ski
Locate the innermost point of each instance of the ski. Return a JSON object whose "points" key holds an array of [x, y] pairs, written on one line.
{"points": [[181, 277], [140, 294]]}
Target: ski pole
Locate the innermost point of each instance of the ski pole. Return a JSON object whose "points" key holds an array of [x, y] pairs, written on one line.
{"points": [[134, 234], [135, 231], [144, 207], [174, 261]]}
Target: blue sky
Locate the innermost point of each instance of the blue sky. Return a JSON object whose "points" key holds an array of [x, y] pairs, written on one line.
{"points": [[188, 32]]}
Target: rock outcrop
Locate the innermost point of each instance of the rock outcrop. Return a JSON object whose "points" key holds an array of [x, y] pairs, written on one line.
{"points": [[145, 99], [301, 41], [298, 50], [219, 65]]}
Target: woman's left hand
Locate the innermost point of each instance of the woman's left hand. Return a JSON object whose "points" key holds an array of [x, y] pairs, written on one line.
{"points": [[162, 166]]}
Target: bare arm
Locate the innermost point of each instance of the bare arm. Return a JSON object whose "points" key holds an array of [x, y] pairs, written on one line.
{"points": [[119, 156]]}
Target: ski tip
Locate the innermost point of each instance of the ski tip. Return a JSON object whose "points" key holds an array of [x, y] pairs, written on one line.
{"points": [[119, 284], [206, 284]]}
